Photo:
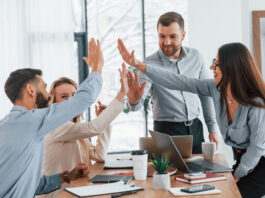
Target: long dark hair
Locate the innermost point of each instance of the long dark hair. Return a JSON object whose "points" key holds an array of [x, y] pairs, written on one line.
{"points": [[240, 71]]}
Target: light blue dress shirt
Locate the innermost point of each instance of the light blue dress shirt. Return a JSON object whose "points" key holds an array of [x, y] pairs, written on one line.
{"points": [[248, 128], [175, 105], [22, 134]]}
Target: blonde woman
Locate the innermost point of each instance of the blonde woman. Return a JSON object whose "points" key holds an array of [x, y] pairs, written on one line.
{"points": [[68, 144]]}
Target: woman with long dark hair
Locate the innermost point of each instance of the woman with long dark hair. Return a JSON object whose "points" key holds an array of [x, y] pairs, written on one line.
{"points": [[238, 92]]}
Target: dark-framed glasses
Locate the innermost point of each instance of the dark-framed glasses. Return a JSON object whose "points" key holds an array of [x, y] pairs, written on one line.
{"points": [[214, 64]]}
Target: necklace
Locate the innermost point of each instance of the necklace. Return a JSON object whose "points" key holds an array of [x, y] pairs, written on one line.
{"points": [[230, 101]]}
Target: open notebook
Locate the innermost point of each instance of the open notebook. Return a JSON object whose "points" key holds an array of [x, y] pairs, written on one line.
{"points": [[102, 189]]}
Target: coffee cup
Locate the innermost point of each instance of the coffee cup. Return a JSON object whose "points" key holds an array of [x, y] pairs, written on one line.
{"points": [[208, 150], [139, 158]]}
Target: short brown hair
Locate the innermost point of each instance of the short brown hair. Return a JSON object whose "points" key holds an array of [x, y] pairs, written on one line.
{"points": [[171, 17], [17, 81]]}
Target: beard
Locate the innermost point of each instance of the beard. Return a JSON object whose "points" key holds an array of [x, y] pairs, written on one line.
{"points": [[170, 52], [41, 101]]}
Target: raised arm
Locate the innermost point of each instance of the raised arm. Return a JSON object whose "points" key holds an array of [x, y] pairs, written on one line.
{"points": [[59, 113], [73, 131], [172, 81]]}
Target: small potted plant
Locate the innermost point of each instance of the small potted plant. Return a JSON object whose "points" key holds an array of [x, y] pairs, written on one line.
{"points": [[161, 179]]}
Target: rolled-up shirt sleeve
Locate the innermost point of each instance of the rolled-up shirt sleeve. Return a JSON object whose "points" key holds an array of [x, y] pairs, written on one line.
{"points": [[256, 148], [48, 184]]}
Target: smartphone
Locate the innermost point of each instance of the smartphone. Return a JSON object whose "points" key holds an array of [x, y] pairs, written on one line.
{"points": [[195, 189]]}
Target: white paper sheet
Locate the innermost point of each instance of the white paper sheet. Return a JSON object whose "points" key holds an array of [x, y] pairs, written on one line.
{"points": [[102, 189]]}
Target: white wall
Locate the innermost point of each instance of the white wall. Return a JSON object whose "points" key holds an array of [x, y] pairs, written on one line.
{"points": [[250, 5], [213, 23]]}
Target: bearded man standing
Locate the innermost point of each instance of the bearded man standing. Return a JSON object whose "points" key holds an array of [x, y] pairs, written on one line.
{"points": [[174, 112]]}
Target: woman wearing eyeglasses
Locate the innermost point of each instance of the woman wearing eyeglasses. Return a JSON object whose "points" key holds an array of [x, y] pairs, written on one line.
{"points": [[238, 92]]}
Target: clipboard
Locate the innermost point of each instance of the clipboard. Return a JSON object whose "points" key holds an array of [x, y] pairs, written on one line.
{"points": [[102, 189]]}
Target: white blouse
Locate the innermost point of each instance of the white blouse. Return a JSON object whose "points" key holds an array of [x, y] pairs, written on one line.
{"points": [[68, 145]]}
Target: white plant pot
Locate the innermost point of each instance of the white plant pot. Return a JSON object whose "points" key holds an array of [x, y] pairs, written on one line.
{"points": [[161, 181]]}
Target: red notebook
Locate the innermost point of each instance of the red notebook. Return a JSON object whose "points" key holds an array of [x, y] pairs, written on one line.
{"points": [[210, 177]]}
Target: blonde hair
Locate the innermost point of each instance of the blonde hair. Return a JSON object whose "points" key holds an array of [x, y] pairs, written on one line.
{"points": [[60, 81]]}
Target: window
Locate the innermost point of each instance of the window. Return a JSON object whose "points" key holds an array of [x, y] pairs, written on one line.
{"points": [[135, 23]]}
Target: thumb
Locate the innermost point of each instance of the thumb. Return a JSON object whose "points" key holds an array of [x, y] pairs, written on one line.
{"points": [[85, 59], [132, 54]]}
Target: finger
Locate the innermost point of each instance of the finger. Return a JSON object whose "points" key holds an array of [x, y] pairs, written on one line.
{"points": [[124, 70], [136, 79], [86, 170], [85, 59], [124, 49], [98, 44], [216, 145], [132, 54], [96, 109], [142, 86], [130, 78], [99, 103], [122, 77], [93, 44]]}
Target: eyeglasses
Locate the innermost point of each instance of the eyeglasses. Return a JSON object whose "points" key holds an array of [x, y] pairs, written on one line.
{"points": [[214, 64]]}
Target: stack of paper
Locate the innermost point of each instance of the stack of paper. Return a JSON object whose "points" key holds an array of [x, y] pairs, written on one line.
{"points": [[102, 189], [117, 164]]}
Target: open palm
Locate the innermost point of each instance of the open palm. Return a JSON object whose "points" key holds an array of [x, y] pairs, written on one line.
{"points": [[136, 91]]}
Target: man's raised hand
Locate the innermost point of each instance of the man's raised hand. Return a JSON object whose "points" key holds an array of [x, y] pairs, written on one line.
{"points": [[95, 56]]}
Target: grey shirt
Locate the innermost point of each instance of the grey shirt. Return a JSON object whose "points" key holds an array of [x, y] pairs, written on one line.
{"points": [[248, 128], [175, 105]]}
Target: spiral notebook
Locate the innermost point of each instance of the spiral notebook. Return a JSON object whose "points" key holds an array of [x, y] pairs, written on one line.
{"points": [[102, 189]]}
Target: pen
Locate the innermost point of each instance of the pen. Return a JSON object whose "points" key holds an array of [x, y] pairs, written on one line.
{"points": [[123, 193]]}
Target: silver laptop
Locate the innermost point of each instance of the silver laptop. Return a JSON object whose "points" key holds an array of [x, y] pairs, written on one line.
{"points": [[167, 147], [182, 142]]}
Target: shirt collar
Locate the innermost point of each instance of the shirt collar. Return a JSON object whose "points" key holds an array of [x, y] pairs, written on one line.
{"points": [[18, 108]]}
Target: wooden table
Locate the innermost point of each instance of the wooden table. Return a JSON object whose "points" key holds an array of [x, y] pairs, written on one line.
{"points": [[228, 187]]}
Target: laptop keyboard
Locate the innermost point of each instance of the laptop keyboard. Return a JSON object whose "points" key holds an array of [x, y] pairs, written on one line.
{"points": [[197, 167]]}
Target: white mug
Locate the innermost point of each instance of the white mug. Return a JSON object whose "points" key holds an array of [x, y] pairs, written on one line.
{"points": [[208, 150], [139, 158]]}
